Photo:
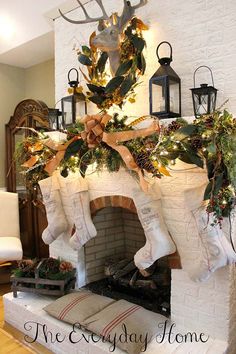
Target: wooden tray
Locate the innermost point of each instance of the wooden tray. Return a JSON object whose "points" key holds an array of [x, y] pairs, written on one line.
{"points": [[20, 284]]}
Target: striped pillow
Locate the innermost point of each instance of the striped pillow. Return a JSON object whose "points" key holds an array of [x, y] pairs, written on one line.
{"points": [[127, 326], [77, 307]]}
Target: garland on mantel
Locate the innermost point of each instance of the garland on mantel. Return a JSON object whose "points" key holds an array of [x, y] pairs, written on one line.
{"points": [[209, 142]]}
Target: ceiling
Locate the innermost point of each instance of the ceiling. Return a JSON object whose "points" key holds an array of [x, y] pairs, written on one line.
{"points": [[26, 30]]}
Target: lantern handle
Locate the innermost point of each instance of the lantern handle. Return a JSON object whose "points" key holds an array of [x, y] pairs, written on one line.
{"points": [[202, 66], [77, 75], [171, 50]]}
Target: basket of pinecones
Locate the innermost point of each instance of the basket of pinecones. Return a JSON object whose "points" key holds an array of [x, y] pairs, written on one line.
{"points": [[49, 276]]}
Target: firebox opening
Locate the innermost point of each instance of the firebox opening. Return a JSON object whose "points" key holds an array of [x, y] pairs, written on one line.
{"points": [[110, 269]]}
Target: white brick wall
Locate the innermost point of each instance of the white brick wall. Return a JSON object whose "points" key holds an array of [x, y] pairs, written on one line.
{"points": [[119, 235], [202, 32]]}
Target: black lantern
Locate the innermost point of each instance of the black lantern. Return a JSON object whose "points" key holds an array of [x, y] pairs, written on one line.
{"points": [[55, 118], [204, 97], [74, 105], [165, 89]]}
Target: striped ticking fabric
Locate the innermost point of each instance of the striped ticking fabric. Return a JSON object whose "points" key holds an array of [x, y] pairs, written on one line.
{"points": [[71, 305], [118, 319]]}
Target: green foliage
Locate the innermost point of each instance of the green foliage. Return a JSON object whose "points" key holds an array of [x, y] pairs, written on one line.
{"points": [[113, 84], [124, 67], [210, 141], [84, 59]]}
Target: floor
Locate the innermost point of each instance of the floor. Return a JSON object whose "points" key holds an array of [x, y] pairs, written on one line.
{"points": [[11, 340]]}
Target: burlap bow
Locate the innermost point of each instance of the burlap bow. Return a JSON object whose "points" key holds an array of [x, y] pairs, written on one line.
{"points": [[94, 134], [94, 128]]}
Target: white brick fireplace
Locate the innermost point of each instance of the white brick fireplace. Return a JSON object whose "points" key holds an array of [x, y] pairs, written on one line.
{"points": [[201, 33], [207, 307]]}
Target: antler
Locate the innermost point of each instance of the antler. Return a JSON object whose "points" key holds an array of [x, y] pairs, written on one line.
{"points": [[141, 3], [128, 12], [88, 19]]}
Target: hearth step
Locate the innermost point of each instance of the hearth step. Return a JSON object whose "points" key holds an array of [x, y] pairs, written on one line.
{"points": [[29, 307]]}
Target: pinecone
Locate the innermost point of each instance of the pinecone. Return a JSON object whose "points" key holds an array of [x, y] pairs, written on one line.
{"points": [[50, 265], [209, 122], [143, 161], [172, 127], [65, 267], [196, 143], [27, 266]]}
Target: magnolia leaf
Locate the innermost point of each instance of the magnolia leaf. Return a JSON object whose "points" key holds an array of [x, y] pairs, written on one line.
{"points": [[93, 48], [172, 155], [124, 67], [95, 89], [86, 50], [141, 63], [73, 148], [96, 99], [128, 32], [196, 160], [126, 86], [191, 158], [185, 158], [138, 43], [184, 132], [83, 59], [102, 62], [114, 83], [218, 183], [207, 193], [210, 168]]}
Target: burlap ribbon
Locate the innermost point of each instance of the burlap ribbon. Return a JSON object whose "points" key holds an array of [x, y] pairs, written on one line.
{"points": [[94, 134], [53, 163], [61, 149]]}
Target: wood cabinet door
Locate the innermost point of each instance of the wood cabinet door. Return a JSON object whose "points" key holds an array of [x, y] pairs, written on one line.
{"points": [[28, 114]]}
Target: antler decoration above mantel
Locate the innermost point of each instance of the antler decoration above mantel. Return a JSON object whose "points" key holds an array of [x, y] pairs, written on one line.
{"points": [[110, 29]]}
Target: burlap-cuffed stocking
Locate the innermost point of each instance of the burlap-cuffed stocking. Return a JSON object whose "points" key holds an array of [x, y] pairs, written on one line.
{"points": [[78, 195], [158, 241], [57, 222], [217, 251]]}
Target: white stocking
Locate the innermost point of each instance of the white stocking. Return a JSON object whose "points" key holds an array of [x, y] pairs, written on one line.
{"points": [[217, 251], [57, 222], [67, 205], [158, 241], [78, 195]]}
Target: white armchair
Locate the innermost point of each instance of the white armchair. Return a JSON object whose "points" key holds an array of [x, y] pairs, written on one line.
{"points": [[10, 244]]}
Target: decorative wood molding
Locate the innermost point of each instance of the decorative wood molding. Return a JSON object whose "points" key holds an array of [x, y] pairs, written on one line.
{"points": [[29, 107]]}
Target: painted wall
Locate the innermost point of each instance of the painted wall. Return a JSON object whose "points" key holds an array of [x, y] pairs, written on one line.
{"points": [[40, 82], [16, 84], [12, 90], [202, 32]]}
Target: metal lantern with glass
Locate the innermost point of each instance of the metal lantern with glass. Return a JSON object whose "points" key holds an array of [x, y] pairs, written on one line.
{"points": [[74, 105], [165, 89], [204, 97], [55, 119]]}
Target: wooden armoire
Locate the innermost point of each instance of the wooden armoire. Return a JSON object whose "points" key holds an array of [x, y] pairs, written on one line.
{"points": [[28, 114]]}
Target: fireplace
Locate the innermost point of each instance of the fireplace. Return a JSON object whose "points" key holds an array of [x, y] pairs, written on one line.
{"points": [[194, 306], [203, 307], [109, 264]]}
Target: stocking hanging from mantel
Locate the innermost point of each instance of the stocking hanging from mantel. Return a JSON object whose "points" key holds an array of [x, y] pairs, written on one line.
{"points": [[57, 221], [217, 250], [158, 241], [78, 198], [67, 206]]}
